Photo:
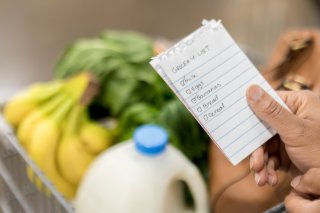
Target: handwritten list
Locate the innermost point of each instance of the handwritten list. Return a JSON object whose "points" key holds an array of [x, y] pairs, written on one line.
{"points": [[210, 74]]}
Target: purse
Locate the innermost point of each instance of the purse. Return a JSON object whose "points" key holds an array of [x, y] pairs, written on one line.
{"points": [[295, 63]]}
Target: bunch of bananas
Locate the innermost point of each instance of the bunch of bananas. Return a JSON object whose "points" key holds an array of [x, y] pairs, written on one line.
{"points": [[53, 126]]}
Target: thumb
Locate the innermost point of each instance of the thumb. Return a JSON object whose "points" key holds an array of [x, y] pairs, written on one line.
{"points": [[308, 183], [296, 204], [271, 112]]}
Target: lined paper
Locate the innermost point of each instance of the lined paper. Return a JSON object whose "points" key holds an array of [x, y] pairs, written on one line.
{"points": [[210, 74]]}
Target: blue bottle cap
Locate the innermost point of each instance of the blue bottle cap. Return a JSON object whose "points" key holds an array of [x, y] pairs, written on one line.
{"points": [[150, 139]]}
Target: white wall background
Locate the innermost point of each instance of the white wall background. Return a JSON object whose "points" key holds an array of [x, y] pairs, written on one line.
{"points": [[34, 32]]}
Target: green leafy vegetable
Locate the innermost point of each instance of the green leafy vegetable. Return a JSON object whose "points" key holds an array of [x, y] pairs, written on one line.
{"points": [[132, 91]]}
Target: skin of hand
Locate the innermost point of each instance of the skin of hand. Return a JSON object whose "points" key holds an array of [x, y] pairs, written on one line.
{"points": [[305, 196], [296, 148]]}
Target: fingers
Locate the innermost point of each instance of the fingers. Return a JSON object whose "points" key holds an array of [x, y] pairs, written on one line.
{"points": [[305, 186], [267, 175], [263, 166], [261, 177], [272, 112], [296, 204], [257, 160], [308, 183], [272, 166]]}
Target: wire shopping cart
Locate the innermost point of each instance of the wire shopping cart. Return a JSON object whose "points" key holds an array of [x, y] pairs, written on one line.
{"points": [[17, 193]]}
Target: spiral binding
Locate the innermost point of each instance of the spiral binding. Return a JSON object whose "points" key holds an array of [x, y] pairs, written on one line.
{"points": [[189, 40]]}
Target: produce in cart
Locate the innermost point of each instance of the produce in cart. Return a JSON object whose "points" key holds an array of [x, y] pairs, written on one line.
{"points": [[53, 126], [56, 121], [132, 92]]}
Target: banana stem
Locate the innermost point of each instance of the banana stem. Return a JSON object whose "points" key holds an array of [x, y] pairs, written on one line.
{"points": [[85, 116], [77, 85], [62, 112], [47, 90], [74, 120], [49, 107]]}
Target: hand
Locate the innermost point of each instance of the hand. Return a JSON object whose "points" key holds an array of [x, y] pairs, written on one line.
{"points": [[297, 148], [306, 194]]}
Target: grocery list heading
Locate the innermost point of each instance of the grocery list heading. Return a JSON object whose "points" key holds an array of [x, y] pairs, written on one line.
{"points": [[210, 74]]}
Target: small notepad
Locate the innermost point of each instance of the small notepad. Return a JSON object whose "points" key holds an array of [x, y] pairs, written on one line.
{"points": [[210, 74]]}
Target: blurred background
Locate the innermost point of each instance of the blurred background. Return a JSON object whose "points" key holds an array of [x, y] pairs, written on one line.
{"points": [[34, 32]]}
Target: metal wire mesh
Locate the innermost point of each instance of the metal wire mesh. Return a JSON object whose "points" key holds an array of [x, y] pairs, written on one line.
{"points": [[17, 192]]}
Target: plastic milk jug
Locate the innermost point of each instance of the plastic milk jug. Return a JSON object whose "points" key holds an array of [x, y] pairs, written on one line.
{"points": [[141, 176]]}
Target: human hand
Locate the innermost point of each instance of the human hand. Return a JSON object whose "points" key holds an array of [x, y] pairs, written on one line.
{"points": [[305, 196], [297, 148]]}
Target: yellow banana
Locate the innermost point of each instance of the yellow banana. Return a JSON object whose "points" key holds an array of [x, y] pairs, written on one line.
{"points": [[73, 159], [94, 137], [25, 129], [25, 102], [43, 147]]}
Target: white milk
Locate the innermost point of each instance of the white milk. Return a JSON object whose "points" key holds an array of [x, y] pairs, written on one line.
{"points": [[141, 176]]}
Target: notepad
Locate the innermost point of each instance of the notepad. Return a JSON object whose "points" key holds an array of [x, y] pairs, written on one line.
{"points": [[210, 74]]}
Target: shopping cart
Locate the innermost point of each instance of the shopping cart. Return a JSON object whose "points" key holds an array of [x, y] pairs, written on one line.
{"points": [[17, 193]]}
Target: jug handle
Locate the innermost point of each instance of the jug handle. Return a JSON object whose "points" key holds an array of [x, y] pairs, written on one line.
{"points": [[195, 182]]}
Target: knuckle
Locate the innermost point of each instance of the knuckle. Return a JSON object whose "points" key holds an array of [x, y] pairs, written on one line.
{"points": [[311, 172], [308, 180], [273, 109], [310, 175], [308, 94]]}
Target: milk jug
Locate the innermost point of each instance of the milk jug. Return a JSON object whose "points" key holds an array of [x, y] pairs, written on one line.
{"points": [[142, 175]]}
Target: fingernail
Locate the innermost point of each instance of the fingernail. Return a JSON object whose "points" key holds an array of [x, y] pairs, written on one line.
{"points": [[257, 178], [255, 93], [251, 162], [295, 181], [270, 180]]}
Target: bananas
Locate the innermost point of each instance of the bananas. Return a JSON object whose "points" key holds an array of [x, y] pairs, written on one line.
{"points": [[50, 125], [73, 159], [94, 137], [25, 102], [43, 145], [25, 129]]}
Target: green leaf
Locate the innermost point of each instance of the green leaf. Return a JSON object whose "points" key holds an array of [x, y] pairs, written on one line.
{"points": [[134, 116], [185, 132]]}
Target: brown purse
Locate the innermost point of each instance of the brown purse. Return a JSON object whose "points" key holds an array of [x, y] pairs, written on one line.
{"points": [[294, 65]]}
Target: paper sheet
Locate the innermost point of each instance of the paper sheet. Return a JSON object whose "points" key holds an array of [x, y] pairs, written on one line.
{"points": [[210, 74]]}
